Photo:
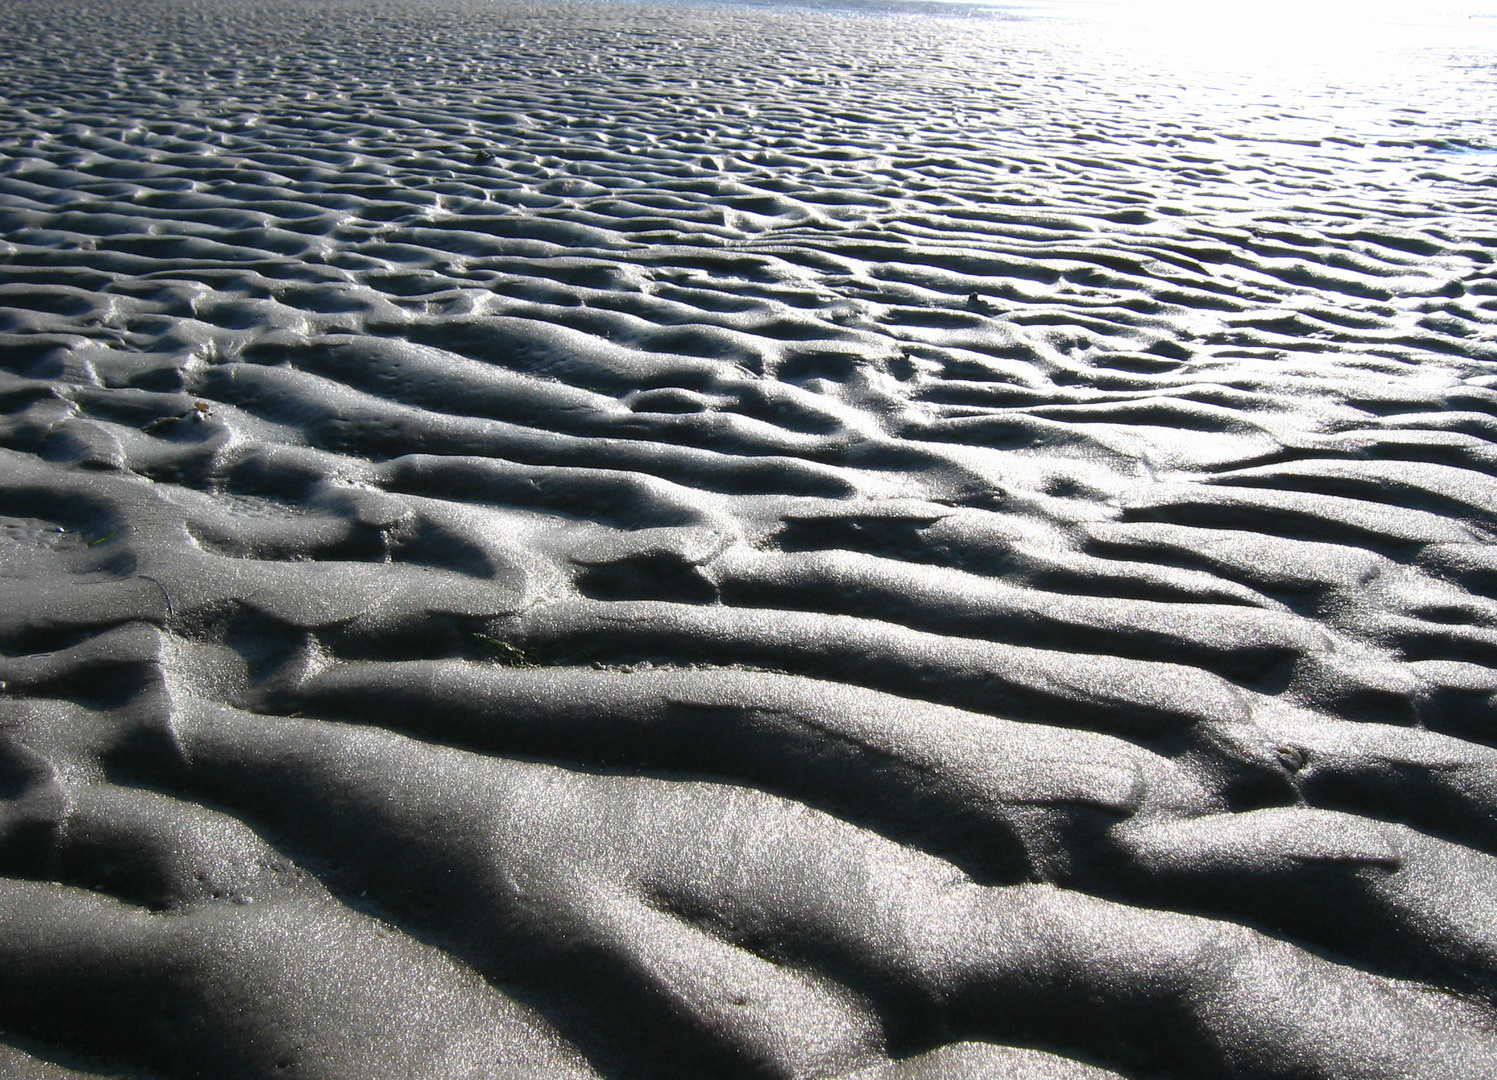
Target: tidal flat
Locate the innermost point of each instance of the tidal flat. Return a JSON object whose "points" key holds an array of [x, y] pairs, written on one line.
{"points": [[636, 541]]}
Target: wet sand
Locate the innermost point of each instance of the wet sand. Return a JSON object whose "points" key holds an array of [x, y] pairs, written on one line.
{"points": [[618, 541]]}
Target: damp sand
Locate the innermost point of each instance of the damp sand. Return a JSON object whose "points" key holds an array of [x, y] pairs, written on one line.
{"points": [[622, 541]]}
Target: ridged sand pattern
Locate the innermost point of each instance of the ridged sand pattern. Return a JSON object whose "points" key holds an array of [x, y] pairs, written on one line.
{"points": [[598, 540]]}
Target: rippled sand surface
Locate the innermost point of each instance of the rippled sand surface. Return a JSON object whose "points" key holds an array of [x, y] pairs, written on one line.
{"points": [[585, 540]]}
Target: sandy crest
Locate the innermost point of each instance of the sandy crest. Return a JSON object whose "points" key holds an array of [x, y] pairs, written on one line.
{"points": [[607, 540]]}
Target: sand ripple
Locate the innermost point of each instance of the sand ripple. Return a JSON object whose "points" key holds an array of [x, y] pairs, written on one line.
{"points": [[685, 542]]}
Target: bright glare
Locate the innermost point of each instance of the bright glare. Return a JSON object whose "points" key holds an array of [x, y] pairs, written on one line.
{"points": [[1321, 28], [1324, 32]]}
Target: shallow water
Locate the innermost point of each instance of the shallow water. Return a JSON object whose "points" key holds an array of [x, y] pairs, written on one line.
{"points": [[603, 539]]}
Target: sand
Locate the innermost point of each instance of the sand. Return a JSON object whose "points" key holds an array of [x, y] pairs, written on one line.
{"points": [[594, 540]]}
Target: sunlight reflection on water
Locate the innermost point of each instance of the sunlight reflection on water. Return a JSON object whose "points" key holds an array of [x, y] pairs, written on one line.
{"points": [[1306, 43], [1363, 81], [1322, 32]]}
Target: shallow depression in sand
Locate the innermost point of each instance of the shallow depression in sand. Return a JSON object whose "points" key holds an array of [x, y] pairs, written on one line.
{"points": [[609, 540]]}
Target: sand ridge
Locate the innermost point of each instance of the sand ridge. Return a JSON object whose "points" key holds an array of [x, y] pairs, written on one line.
{"points": [[676, 541]]}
